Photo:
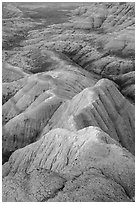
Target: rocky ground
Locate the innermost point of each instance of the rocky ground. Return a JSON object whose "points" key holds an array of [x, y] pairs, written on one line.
{"points": [[68, 98]]}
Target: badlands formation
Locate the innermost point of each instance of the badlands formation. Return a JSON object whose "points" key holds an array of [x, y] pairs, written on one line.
{"points": [[68, 104]]}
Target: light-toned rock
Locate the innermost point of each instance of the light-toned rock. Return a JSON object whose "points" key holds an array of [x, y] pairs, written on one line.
{"points": [[26, 127], [65, 81], [126, 83], [67, 137], [89, 166], [103, 106], [11, 88]]}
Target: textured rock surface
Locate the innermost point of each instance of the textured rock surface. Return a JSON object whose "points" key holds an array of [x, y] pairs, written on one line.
{"points": [[65, 80], [99, 37], [92, 167], [68, 98], [103, 106], [11, 88], [127, 83], [11, 73], [13, 79], [29, 110]]}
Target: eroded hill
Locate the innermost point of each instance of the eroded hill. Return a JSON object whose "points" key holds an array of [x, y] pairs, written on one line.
{"points": [[68, 104]]}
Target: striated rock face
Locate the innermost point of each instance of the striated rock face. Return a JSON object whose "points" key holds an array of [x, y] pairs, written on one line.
{"points": [[13, 79], [88, 164], [11, 88], [26, 127], [103, 106], [29, 110], [68, 95], [127, 84], [11, 73], [65, 80]]}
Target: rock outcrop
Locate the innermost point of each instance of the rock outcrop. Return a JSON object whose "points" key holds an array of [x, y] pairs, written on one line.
{"points": [[103, 106], [29, 110], [126, 83], [86, 165], [11, 88], [64, 79], [13, 79], [11, 73], [68, 95]]}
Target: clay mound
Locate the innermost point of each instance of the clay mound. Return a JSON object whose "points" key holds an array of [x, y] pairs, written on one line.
{"points": [[65, 81], [13, 79], [88, 164], [23, 98], [29, 110], [11, 88], [126, 83], [26, 127], [68, 105], [11, 73], [103, 106]]}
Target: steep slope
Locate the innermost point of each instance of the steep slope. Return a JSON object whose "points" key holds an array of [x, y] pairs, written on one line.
{"points": [[11, 88], [29, 110], [11, 73], [13, 79], [127, 84], [103, 106], [88, 164], [63, 78], [68, 94]]}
